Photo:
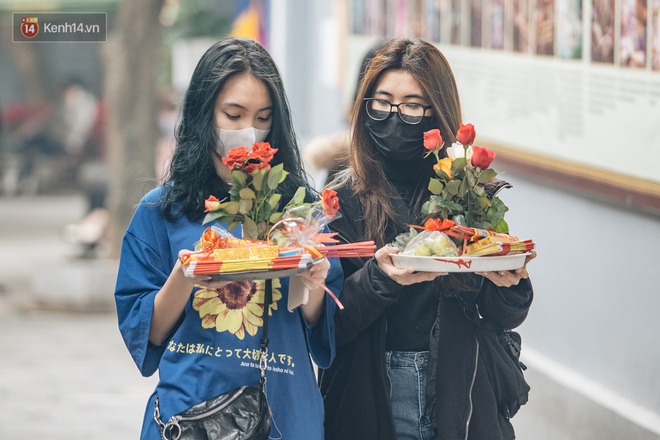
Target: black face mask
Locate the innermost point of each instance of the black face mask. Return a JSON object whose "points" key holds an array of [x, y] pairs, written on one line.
{"points": [[398, 141]]}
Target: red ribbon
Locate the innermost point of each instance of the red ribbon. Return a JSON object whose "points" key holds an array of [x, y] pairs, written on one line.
{"points": [[447, 226], [438, 224]]}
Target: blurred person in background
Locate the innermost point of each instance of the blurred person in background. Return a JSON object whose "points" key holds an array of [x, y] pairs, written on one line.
{"points": [[63, 136], [407, 364], [90, 231], [235, 97]]}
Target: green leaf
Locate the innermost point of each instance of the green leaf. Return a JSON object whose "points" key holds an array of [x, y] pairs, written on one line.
{"points": [[274, 200], [453, 186], [463, 188], [448, 204], [479, 190], [226, 219], [487, 175], [484, 202], [230, 207], [258, 178], [435, 186], [231, 226], [499, 205], [460, 219], [266, 212], [457, 166], [238, 178], [275, 217], [496, 212], [297, 198], [275, 176], [486, 225], [247, 193], [441, 174], [245, 206], [212, 216], [437, 198], [471, 179], [249, 228], [502, 227], [430, 207]]}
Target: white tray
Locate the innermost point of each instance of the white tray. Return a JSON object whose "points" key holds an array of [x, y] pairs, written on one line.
{"points": [[459, 264]]}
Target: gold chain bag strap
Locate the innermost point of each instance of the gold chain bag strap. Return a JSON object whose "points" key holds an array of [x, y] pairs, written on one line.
{"points": [[242, 413]]}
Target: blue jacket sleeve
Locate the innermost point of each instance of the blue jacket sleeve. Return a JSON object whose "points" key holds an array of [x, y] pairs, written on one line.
{"points": [[143, 270]]}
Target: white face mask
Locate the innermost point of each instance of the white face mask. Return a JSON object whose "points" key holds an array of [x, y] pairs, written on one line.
{"points": [[228, 139]]}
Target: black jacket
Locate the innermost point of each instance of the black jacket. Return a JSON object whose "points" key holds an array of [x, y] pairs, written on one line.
{"points": [[356, 389]]}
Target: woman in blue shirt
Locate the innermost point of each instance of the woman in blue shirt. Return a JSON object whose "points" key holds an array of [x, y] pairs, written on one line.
{"points": [[203, 335]]}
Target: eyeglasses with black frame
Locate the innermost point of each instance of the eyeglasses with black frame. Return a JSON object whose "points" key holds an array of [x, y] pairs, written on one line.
{"points": [[409, 112]]}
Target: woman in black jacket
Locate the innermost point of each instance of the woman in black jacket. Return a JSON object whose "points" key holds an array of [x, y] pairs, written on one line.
{"points": [[408, 363]]}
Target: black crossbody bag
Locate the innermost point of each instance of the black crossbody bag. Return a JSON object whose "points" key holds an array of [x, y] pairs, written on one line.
{"points": [[241, 414], [500, 351]]}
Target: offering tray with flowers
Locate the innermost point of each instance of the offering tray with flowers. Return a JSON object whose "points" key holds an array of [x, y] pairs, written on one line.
{"points": [[432, 250], [224, 257], [275, 243], [465, 229]]}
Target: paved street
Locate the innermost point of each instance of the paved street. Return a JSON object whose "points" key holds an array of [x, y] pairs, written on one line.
{"points": [[63, 375], [67, 376]]}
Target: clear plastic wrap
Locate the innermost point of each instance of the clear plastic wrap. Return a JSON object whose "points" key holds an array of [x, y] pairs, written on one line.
{"points": [[431, 244], [300, 225]]}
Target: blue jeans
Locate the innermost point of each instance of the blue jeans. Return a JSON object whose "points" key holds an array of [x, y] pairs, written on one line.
{"points": [[407, 374]]}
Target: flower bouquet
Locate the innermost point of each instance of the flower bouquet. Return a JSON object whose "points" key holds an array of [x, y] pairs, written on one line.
{"points": [[274, 243], [465, 230], [253, 198]]}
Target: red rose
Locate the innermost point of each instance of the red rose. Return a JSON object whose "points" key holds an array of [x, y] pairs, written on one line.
{"points": [[466, 134], [330, 202], [211, 204], [236, 157], [482, 157], [433, 140], [255, 166], [263, 151]]}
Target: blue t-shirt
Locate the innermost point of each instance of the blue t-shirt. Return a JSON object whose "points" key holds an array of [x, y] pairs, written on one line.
{"points": [[214, 348]]}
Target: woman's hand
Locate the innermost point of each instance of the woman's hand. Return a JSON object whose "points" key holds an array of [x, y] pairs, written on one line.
{"points": [[405, 277], [200, 280], [207, 282], [508, 278], [317, 272]]}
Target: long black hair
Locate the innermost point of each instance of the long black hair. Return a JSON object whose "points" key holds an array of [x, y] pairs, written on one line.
{"points": [[192, 175]]}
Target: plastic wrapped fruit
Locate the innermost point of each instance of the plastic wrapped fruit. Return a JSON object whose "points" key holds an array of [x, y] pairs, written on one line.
{"points": [[431, 244]]}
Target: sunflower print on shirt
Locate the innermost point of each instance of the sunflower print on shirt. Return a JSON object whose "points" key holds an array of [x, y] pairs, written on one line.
{"points": [[237, 307]]}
